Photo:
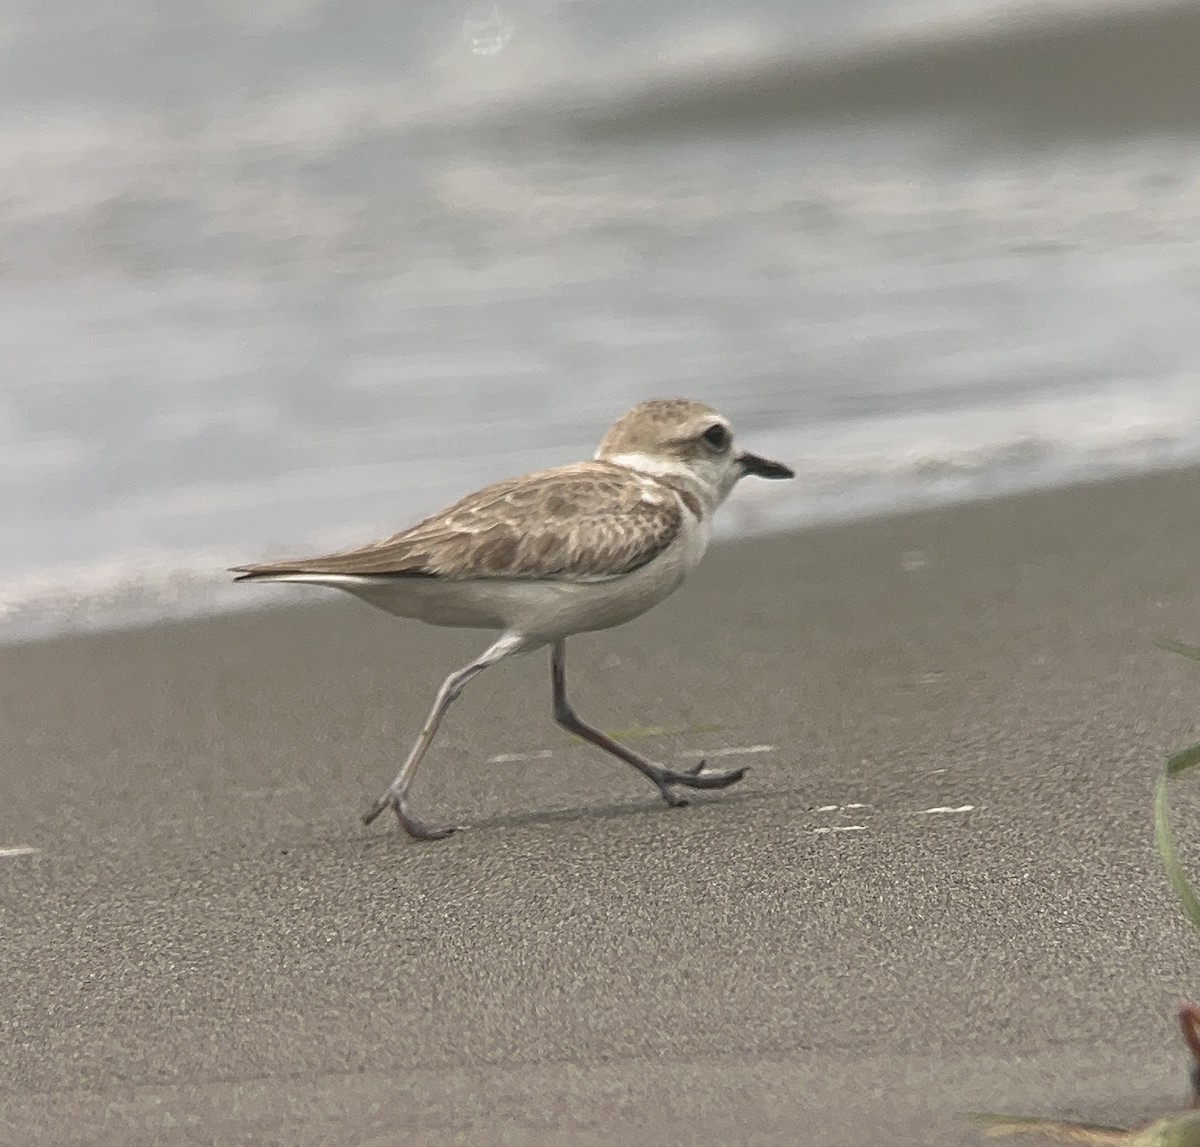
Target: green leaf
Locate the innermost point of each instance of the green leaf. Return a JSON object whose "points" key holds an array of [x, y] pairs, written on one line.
{"points": [[1170, 855], [1059, 1130], [1180, 647], [1173, 1131], [1181, 1130], [1184, 759]]}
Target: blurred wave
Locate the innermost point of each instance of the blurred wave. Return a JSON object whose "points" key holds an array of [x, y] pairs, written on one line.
{"points": [[1023, 75], [288, 275]]}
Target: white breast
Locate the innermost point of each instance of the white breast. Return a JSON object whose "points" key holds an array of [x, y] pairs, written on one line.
{"points": [[543, 611]]}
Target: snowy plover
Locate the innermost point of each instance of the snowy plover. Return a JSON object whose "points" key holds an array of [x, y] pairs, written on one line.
{"points": [[539, 558]]}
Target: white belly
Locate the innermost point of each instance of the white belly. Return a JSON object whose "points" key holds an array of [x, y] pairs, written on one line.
{"points": [[543, 611]]}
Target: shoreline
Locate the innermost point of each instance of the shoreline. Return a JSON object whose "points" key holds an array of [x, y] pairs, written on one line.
{"points": [[755, 529], [936, 891]]}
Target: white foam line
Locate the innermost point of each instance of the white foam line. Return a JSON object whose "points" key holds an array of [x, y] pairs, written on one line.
{"points": [[511, 758], [839, 828], [736, 750], [840, 807], [18, 850], [945, 808]]}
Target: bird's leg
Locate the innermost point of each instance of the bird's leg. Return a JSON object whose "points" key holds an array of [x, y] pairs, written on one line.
{"points": [[396, 797], [693, 778]]}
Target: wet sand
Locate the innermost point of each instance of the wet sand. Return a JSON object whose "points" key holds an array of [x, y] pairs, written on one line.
{"points": [[936, 891]]}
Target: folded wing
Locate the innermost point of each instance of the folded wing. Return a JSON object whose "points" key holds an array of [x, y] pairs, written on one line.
{"points": [[592, 522]]}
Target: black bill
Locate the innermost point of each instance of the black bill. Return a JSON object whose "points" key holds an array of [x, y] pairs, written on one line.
{"points": [[764, 467]]}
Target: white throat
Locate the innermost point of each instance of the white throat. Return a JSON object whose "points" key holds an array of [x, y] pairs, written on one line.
{"points": [[708, 492]]}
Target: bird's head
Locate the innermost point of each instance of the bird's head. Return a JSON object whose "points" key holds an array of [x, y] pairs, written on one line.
{"points": [[686, 440]]}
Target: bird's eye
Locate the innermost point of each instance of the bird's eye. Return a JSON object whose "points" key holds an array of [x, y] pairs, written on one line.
{"points": [[717, 436]]}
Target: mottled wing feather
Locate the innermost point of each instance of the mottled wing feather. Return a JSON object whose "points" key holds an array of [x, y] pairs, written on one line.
{"points": [[592, 521]]}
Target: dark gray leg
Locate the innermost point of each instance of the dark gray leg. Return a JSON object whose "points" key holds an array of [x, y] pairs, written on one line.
{"points": [[693, 778]]}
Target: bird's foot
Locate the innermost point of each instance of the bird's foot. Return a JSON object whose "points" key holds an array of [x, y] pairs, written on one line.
{"points": [[694, 778], [415, 828]]}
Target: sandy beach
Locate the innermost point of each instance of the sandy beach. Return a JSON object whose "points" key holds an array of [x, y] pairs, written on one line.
{"points": [[935, 892]]}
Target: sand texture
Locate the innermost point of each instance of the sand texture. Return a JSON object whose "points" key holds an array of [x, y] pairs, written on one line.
{"points": [[936, 890]]}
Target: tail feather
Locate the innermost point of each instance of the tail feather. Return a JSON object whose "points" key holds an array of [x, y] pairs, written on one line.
{"points": [[318, 576], [262, 572], [351, 583]]}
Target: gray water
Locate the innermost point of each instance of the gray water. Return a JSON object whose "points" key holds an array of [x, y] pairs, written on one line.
{"points": [[287, 275]]}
